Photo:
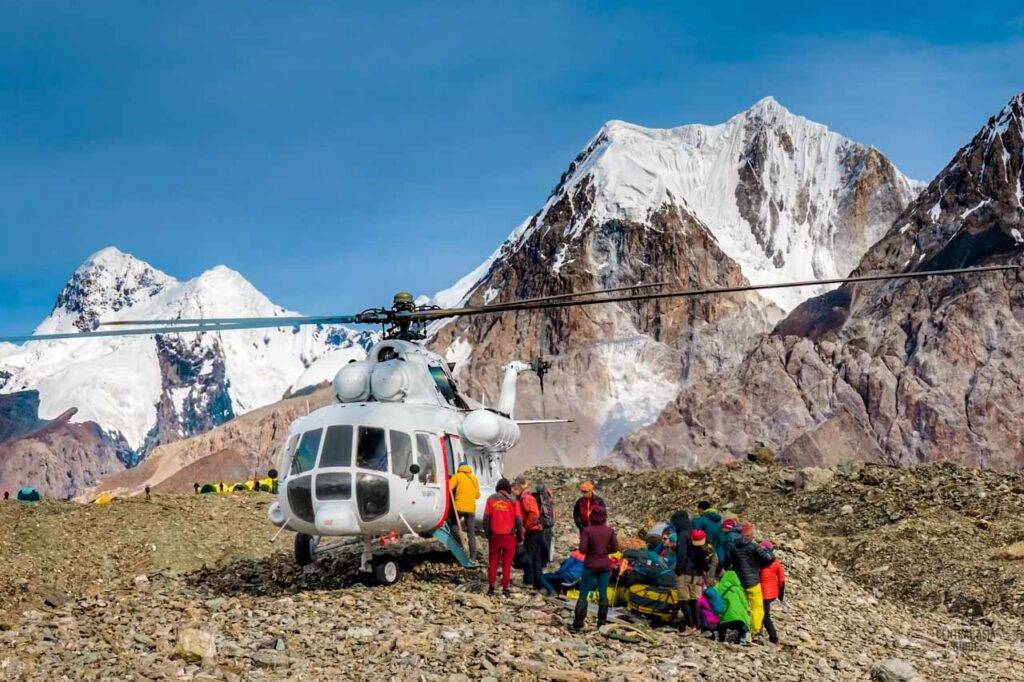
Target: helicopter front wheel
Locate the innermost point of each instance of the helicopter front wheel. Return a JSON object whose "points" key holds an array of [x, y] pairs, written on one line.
{"points": [[304, 546], [386, 571]]}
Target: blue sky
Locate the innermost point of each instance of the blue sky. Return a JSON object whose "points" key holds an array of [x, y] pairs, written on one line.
{"points": [[334, 154]]}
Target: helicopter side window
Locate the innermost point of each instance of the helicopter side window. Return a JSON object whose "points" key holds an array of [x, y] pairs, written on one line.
{"points": [[337, 450], [443, 383], [401, 452], [305, 455], [425, 458], [372, 450]]}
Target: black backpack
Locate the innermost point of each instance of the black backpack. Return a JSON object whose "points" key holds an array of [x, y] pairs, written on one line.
{"points": [[547, 506]]}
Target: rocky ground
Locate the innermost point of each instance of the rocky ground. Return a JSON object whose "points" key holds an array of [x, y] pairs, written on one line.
{"points": [[893, 574]]}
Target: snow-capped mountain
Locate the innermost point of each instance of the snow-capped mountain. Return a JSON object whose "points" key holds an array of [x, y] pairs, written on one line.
{"points": [[767, 196], [150, 390], [898, 371], [784, 197]]}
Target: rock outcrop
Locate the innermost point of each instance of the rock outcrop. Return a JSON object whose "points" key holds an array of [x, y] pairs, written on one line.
{"points": [[54, 456], [901, 372]]}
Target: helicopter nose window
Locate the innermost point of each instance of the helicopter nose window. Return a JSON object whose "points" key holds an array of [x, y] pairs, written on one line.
{"points": [[372, 496], [305, 455], [372, 450], [300, 498], [387, 353], [334, 486], [401, 453], [337, 450]]}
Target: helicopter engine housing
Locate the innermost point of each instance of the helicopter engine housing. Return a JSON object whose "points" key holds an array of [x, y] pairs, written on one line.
{"points": [[490, 430], [352, 383], [389, 381]]}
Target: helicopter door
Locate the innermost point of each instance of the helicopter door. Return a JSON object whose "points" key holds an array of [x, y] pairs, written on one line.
{"points": [[431, 497]]}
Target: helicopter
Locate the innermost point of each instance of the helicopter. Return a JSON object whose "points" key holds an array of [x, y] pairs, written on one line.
{"points": [[376, 462]]}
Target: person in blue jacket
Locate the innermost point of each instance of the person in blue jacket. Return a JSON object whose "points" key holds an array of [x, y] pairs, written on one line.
{"points": [[710, 521], [567, 574]]}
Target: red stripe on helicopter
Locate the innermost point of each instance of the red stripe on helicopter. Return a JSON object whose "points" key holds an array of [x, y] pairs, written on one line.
{"points": [[447, 490]]}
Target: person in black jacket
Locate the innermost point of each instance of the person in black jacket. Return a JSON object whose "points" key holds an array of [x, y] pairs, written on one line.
{"points": [[585, 505], [692, 561], [681, 523], [747, 558]]}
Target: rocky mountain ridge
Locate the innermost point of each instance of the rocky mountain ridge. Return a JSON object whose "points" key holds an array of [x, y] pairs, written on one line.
{"points": [[899, 372], [763, 197]]}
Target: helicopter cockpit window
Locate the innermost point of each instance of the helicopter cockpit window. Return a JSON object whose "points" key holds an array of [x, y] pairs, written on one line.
{"points": [[443, 383], [425, 458], [372, 449], [305, 455], [337, 447], [387, 353], [401, 453]]}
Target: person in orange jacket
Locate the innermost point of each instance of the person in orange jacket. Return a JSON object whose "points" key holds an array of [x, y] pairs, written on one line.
{"points": [[533, 550], [773, 586]]}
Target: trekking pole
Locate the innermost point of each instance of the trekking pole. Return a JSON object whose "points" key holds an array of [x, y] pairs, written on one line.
{"points": [[458, 521]]}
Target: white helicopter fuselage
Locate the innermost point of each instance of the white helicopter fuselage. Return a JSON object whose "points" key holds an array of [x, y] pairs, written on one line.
{"points": [[378, 460]]}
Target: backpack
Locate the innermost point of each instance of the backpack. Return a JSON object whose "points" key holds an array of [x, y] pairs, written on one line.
{"points": [[546, 503], [645, 571], [714, 600], [653, 601]]}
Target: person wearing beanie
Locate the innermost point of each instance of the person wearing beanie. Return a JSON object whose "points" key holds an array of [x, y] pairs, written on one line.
{"points": [[465, 492], [773, 586], [585, 505], [730, 534], [710, 522], [503, 525], [691, 565], [747, 558], [597, 541]]}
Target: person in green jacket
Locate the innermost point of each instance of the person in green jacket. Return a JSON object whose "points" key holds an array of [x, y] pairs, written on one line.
{"points": [[735, 615]]}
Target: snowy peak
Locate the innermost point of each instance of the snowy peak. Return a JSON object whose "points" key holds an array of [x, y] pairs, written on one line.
{"points": [[784, 197], [107, 282]]}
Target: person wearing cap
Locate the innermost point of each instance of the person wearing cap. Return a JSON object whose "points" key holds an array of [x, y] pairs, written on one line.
{"points": [[533, 542], [691, 565], [585, 505], [773, 586], [466, 491], [597, 541], [747, 558], [503, 525]]}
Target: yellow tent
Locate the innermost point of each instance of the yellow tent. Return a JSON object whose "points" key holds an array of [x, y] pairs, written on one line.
{"points": [[104, 499]]}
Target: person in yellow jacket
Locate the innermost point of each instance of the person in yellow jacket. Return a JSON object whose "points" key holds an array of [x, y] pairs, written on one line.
{"points": [[465, 492]]}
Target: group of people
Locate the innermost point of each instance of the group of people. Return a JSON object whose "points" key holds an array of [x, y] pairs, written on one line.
{"points": [[724, 581]]}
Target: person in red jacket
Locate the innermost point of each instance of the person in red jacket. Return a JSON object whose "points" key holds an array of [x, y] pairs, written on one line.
{"points": [[534, 547], [503, 525], [773, 586], [597, 541]]}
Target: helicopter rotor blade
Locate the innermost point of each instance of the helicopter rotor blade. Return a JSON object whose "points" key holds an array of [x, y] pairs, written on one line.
{"points": [[196, 321], [406, 316], [685, 293]]}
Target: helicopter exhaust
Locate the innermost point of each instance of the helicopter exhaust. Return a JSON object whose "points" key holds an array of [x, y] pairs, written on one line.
{"points": [[507, 399]]}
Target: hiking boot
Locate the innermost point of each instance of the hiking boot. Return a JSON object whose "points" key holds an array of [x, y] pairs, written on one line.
{"points": [[575, 629], [550, 593], [505, 592], [490, 591]]}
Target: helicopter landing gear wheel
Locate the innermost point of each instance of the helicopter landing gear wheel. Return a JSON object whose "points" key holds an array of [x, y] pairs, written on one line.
{"points": [[304, 546], [386, 571]]}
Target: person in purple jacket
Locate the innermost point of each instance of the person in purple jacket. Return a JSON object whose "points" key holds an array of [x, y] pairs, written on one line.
{"points": [[597, 541]]}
